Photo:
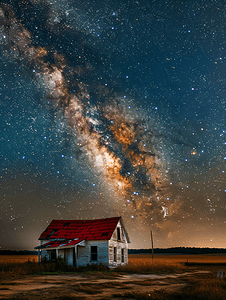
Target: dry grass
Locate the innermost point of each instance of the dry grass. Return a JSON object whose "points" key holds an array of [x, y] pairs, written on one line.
{"points": [[200, 286], [18, 258], [137, 264], [18, 269], [213, 289], [191, 258], [145, 265]]}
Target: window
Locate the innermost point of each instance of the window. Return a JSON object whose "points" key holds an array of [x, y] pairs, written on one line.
{"points": [[122, 255], [93, 253], [52, 255], [115, 254], [118, 234]]}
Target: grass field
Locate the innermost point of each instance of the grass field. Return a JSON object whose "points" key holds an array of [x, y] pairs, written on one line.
{"points": [[198, 286], [205, 258], [137, 258], [18, 258], [204, 286], [138, 263]]}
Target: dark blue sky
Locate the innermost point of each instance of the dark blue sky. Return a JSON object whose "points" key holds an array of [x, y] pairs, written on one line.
{"points": [[147, 139]]}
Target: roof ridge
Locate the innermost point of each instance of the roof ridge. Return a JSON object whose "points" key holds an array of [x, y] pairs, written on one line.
{"points": [[73, 220]]}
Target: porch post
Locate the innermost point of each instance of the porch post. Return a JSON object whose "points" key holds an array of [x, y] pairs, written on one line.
{"points": [[38, 256], [76, 256], [56, 253]]}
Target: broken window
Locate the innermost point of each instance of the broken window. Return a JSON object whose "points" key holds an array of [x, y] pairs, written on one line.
{"points": [[115, 254], [118, 234], [122, 258], [93, 253]]}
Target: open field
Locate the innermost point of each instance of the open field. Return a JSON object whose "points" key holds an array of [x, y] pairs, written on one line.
{"points": [[168, 278], [17, 258], [204, 258], [136, 258]]}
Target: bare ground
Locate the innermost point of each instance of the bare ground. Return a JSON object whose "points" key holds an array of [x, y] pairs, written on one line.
{"points": [[96, 285]]}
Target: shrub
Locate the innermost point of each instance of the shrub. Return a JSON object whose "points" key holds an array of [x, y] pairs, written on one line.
{"points": [[92, 268]]}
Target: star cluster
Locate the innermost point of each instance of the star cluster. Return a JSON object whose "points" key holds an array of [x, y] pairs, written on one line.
{"points": [[113, 109]]}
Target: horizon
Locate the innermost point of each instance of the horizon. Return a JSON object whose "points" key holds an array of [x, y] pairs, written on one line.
{"points": [[171, 248]]}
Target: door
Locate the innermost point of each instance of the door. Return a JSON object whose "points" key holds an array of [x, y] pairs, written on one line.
{"points": [[69, 256]]}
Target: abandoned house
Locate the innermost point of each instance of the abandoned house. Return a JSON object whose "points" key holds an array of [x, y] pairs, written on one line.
{"points": [[82, 242]]}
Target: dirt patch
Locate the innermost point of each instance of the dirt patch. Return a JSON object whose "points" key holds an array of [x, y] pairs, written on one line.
{"points": [[89, 285]]}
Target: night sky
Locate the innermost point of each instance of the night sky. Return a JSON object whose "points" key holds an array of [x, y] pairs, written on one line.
{"points": [[114, 108]]}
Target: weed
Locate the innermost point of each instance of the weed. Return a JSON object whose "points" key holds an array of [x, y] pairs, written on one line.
{"points": [[28, 268], [92, 268]]}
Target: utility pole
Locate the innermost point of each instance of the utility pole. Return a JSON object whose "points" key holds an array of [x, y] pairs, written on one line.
{"points": [[152, 246]]}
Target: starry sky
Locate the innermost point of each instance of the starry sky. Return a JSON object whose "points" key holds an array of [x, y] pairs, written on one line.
{"points": [[114, 108]]}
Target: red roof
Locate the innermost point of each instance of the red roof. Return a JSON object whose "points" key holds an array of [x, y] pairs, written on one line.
{"points": [[59, 244], [99, 229]]}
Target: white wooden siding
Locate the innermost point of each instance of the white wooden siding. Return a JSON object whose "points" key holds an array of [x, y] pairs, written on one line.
{"points": [[122, 233], [119, 244], [84, 253]]}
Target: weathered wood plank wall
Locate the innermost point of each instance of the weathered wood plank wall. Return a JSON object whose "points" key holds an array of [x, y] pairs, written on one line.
{"points": [[118, 242], [84, 253]]}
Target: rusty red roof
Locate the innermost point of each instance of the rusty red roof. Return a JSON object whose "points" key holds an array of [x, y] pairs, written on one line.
{"points": [[99, 229], [58, 244]]}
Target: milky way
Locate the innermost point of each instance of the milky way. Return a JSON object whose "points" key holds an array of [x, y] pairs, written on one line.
{"points": [[149, 142]]}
